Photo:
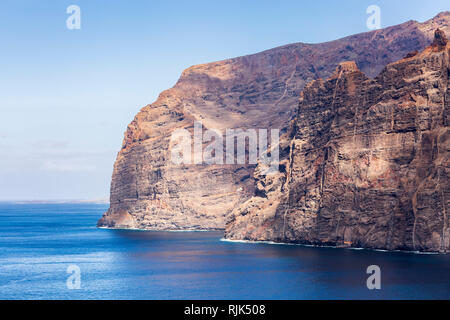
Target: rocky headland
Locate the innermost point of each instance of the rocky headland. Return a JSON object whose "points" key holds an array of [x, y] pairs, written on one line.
{"points": [[366, 162], [148, 191]]}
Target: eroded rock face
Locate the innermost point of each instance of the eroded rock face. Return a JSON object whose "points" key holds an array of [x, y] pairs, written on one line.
{"points": [[367, 162], [257, 91]]}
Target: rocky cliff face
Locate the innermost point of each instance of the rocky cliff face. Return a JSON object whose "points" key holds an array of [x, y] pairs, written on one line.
{"points": [[366, 162], [257, 91]]}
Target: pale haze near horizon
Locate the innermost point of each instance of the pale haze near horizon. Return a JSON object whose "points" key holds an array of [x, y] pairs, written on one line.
{"points": [[67, 96]]}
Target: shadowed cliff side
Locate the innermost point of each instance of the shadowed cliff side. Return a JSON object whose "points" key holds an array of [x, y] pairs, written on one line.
{"points": [[367, 162]]}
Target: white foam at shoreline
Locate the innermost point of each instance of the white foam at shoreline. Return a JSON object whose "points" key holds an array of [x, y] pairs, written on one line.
{"points": [[324, 246], [158, 230], [273, 242]]}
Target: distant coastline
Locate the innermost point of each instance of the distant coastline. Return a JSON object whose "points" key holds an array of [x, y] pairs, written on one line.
{"points": [[93, 201]]}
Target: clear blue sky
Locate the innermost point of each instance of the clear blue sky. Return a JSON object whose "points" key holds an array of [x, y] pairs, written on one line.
{"points": [[66, 96]]}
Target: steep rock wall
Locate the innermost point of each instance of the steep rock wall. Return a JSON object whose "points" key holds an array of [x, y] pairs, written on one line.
{"points": [[366, 162]]}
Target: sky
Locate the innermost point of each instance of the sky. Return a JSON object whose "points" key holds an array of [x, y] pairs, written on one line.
{"points": [[67, 96]]}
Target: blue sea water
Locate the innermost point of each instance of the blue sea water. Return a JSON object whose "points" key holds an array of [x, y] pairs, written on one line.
{"points": [[38, 242]]}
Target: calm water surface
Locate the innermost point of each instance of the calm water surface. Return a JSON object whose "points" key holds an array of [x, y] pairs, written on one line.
{"points": [[39, 241]]}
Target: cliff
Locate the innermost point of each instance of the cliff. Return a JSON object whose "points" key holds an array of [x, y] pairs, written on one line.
{"points": [[366, 162], [257, 91]]}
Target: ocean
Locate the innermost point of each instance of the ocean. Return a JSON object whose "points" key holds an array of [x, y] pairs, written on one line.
{"points": [[55, 251]]}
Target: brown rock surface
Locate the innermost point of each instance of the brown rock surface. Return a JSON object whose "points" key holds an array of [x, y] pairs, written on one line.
{"points": [[255, 91], [367, 162]]}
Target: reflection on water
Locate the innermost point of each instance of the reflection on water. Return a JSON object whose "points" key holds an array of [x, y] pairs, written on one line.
{"points": [[38, 242]]}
